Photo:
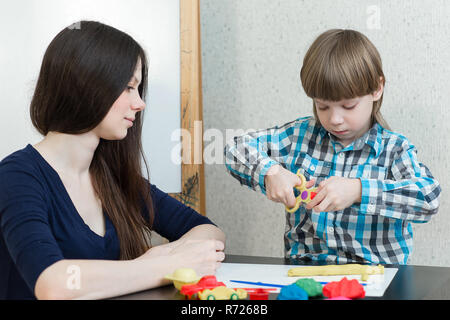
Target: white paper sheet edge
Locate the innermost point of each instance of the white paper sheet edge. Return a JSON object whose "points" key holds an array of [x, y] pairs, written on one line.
{"points": [[375, 286]]}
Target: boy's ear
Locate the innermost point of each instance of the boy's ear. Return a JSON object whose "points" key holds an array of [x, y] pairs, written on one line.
{"points": [[377, 94]]}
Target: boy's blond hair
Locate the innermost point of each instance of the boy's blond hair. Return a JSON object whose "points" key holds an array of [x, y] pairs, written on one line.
{"points": [[343, 64]]}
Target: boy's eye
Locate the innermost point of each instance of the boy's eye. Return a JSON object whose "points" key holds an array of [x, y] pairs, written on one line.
{"points": [[349, 107], [322, 108], [130, 88]]}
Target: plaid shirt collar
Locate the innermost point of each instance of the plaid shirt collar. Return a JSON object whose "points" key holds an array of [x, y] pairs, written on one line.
{"points": [[372, 138]]}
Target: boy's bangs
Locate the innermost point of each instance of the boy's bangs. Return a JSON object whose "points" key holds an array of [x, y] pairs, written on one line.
{"points": [[342, 71]]}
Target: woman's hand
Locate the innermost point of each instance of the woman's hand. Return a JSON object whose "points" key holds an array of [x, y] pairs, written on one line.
{"points": [[336, 193], [204, 256], [280, 185]]}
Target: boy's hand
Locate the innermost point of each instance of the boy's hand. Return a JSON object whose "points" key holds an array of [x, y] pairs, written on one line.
{"points": [[280, 185], [336, 193]]}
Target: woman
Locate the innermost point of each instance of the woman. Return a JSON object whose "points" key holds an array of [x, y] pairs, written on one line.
{"points": [[75, 211]]}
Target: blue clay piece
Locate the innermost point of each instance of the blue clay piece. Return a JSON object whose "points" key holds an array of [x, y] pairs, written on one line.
{"points": [[292, 292]]}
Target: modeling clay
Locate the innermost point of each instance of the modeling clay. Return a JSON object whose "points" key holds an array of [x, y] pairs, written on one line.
{"points": [[336, 270], [182, 276], [311, 286], [345, 288], [339, 298], [305, 196], [292, 292], [206, 282], [259, 293]]}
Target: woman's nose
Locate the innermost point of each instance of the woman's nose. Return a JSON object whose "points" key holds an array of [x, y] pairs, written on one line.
{"points": [[138, 104]]}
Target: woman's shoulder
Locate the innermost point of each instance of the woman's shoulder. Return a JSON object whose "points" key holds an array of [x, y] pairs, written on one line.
{"points": [[156, 193], [18, 159], [19, 166]]}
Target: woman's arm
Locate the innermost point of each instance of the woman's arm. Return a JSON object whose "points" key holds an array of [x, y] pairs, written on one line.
{"points": [[99, 279], [200, 248], [205, 232]]}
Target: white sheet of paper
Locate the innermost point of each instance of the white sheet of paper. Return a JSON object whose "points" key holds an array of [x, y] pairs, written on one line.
{"points": [[375, 286]]}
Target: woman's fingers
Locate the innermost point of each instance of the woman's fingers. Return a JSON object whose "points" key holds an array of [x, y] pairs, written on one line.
{"points": [[219, 245], [220, 256]]}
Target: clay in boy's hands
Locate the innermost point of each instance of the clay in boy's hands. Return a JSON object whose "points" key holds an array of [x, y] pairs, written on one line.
{"points": [[280, 185], [336, 193]]}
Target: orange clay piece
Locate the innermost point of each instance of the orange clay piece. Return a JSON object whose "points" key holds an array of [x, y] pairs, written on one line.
{"points": [[305, 196]]}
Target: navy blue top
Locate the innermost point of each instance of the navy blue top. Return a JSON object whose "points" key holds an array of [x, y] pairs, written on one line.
{"points": [[39, 224]]}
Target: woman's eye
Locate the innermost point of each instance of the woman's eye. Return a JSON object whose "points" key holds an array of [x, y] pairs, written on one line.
{"points": [[349, 107], [130, 88]]}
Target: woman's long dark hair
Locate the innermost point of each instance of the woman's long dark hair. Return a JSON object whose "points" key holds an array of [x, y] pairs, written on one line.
{"points": [[84, 70]]}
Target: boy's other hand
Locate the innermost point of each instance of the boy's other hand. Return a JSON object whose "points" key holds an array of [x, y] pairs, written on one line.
{"points": [[336, 193], [280, 185]]}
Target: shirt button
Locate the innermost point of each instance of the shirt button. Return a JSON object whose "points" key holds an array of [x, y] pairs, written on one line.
{"points": [[341, 154], [312, 167], [330, 229]]}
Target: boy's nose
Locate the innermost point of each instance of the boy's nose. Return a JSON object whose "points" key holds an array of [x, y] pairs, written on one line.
{"points": [[336, 118]]}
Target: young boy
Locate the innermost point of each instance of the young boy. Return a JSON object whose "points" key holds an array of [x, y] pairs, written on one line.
{"points": [[370, 183]]}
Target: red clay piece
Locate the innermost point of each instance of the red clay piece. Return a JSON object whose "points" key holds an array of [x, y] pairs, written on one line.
{"points": [[345, 288], [259, 293], [339, 298], [207, 282]]}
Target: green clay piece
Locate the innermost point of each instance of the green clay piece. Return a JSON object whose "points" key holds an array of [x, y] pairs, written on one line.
{"points": [[311, 286]]}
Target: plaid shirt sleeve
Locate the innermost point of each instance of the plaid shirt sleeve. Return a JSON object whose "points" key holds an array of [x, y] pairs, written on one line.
{"points": [[411, 194], [249, 157]]}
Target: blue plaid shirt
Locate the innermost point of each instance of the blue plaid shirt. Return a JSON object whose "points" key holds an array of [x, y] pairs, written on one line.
{"points": [[396, 190]]}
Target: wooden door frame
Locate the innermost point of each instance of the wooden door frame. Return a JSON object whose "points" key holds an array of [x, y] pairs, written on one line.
{"points": [[192, 169]]}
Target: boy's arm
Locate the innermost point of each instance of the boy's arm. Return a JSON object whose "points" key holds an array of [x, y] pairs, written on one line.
{"points": [[412, 194], [250, 156]]}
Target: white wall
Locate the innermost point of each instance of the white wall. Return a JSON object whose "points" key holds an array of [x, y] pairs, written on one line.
{"points": [[28, 26], [252, 52]]}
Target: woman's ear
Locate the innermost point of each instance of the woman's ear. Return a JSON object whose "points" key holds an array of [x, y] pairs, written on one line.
{"points": [[377, 94]]}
